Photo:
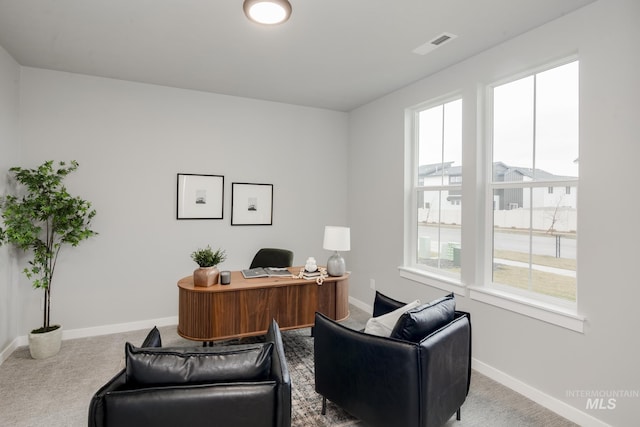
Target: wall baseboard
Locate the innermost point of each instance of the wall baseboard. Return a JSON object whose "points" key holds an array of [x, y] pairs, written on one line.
{"points": [[93, 332], [361, 305], [118, 328], [6, 352], [551, 403]]}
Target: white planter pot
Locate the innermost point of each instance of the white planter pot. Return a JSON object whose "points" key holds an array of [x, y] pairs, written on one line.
{"points": [[45, 345]]}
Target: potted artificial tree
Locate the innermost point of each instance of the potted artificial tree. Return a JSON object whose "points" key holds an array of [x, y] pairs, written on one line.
{"points": [[41, 219], [208, 261]]}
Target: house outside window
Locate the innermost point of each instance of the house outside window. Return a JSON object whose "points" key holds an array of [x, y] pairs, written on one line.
{"points": [[534, 152], [437, 189]]}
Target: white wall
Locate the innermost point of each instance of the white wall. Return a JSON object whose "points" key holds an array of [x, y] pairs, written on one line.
{"points": [[131, 140], [547, 358], [10, 156]]}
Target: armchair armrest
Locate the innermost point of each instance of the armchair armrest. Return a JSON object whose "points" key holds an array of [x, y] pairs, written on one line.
{"points": [[382, 304], [96, 406], [445, 358], [280, 373]]}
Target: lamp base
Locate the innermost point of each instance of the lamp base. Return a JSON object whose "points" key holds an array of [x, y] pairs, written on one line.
{"points": [[335, 265]]}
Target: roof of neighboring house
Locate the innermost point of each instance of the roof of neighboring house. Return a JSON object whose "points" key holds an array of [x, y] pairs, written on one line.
{"points": [[500, 168], [436, 169]]}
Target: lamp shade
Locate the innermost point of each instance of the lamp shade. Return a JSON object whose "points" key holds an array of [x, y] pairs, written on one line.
{"points": [[337, 238]]}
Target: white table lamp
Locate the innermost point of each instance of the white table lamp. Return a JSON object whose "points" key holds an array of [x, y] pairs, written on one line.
{"points": [[336, 239]]}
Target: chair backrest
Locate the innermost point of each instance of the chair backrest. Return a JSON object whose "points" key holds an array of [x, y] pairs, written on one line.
{"points": [[272, 257]]}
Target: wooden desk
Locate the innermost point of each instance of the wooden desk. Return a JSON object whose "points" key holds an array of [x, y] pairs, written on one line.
{"points": [[246, 306]]}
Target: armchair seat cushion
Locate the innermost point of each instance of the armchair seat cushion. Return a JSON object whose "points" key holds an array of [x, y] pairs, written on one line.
{"points": [[415, 324], [155, 366]]}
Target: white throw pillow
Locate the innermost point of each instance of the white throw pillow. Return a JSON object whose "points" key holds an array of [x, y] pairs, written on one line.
{"points": [[383, 325]]}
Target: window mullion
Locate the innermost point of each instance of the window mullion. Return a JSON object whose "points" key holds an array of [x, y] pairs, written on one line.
{"points": [[535, 127], [531, 190], [442, 147]]}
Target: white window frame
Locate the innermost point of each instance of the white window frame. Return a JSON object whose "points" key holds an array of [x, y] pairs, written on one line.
{"points": [[549, 310], [411, 270]]}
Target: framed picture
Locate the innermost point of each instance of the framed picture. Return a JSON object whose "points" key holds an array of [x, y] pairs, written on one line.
{"points": [[251, 204], [200, 196]]}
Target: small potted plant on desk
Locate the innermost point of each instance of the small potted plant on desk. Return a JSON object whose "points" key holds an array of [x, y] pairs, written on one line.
{"points": [[41, 220], [208, 261]]}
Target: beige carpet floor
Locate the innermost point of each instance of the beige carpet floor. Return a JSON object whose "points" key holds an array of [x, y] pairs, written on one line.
{"points": [[56, 391]]}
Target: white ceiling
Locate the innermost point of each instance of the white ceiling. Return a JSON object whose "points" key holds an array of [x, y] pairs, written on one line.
{"points": [[336, 54]]}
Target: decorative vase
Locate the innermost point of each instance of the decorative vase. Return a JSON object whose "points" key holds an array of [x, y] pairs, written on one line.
{"points": [[45, 344], [205, 276]]}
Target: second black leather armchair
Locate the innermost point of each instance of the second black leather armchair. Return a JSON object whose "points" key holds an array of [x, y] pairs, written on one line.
{"points": [[392, 382]]}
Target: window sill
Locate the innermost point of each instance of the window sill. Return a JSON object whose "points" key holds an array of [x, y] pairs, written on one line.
{"points": [[553, 314], [428, 278]]}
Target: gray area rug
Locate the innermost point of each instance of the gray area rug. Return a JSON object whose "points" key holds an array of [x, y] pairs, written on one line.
{"points": [[56, 391], [306, 404]]}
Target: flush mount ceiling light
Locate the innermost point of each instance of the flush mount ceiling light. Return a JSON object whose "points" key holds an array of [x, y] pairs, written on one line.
{"points": [[267, 12]]}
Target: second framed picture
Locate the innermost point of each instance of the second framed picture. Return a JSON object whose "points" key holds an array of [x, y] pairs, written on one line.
{"points": [[251, 204]]}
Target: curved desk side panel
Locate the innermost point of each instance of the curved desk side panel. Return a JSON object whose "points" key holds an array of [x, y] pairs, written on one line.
{"points": [[246, 307]]}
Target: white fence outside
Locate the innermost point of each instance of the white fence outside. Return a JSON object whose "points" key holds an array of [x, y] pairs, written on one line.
{"points": [[563, 219]]}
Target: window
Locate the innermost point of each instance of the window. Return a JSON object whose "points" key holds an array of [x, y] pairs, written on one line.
{"points": [[437, 189], [534, 150]]}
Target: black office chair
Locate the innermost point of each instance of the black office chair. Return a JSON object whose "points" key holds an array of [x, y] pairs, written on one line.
{"points": [[272, 257]]}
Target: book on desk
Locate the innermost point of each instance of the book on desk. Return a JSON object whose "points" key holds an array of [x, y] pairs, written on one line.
{"points": [[311, 275], [253, 273]]}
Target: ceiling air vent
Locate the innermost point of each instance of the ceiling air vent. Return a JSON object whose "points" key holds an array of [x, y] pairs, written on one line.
{"points": [[434, 43]]}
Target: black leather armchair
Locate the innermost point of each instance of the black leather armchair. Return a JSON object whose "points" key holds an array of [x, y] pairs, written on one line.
{"points": [[392, 382], [272, 257], [237, 385]]}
